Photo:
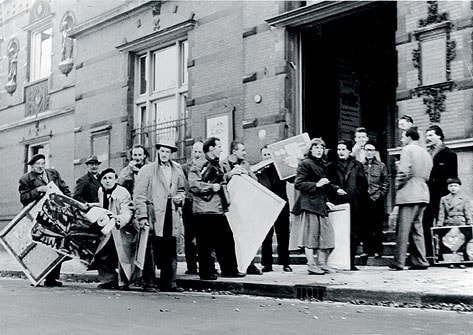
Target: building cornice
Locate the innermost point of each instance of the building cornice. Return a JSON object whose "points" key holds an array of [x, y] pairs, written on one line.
{"points": [[318, 12], [35, 118], [108, 18], [158, 37]]}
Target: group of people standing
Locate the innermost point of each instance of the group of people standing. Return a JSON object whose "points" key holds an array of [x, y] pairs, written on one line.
{"points": [[155, 196]]}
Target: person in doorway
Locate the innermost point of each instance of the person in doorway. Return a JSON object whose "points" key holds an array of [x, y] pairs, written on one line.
{"points": [[445, 165], [207, 177], [412, 196], [312, 229], [116, 249], [378, 185], [88, 185], [139, 156], [33, 187], [159, 194], [268, 177], [190, 244], [235, 164], [348, 174]]}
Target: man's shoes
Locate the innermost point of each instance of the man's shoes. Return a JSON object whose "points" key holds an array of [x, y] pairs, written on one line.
{"points": [[287, 268], [253, 270], [52, 283], [111, 285], [233, 275], [395, 267], [209, 277], [192, 272], [267, 268], [172, 289], [149, 289], [123, 288], [418, 267], [354, 268]]}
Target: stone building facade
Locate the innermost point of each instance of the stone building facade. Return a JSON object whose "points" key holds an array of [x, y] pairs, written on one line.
{"points": [[134, 71]]}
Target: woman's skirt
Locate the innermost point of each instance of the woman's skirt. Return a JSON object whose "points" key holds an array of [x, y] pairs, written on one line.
{"points": [[311, 231]]}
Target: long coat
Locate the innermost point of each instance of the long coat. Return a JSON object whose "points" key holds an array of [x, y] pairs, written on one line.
{"points": [[30, 181], [151, 195], [311, 198], [351, 179], [86, 189], [412, 174], [445, 165], [120, 205]]}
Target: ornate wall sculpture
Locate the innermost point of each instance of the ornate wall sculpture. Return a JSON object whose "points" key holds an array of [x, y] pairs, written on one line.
{"points": [[12, 53], [67, 46], [433, 35]]}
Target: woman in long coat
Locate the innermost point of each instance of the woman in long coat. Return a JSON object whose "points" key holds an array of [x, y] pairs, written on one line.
{"points": [[312, 230]]}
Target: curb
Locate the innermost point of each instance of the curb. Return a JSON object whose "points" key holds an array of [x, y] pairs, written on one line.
{"points": [[293, 291]]}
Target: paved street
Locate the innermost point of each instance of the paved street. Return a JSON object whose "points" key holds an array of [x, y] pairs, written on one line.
{"points": [[81, 309]]}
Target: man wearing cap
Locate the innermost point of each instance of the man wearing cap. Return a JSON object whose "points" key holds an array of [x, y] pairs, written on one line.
{"points": [[88, 185], [33, 187], [158, 194], [116, 249], [127, 176]]}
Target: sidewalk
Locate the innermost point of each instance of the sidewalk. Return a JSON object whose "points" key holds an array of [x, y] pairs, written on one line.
{"points": [[371, 284]]}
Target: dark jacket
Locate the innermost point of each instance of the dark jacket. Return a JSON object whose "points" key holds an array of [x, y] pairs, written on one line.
{"points": [[377, 177], [205, 200], [349, 175], [30, 181], [269, 178], [311, 199], [445, 165], [87, 188]]}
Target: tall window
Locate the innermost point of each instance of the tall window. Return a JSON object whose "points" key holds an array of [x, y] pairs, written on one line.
{"points": [[40, 64], [160, 94]]}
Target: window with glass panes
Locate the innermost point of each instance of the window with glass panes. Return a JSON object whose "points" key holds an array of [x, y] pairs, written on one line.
{"points": [[161, 86], [40, 56]]}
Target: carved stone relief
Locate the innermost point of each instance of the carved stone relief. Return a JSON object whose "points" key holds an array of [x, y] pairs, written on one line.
{"points": [[12, 53]]}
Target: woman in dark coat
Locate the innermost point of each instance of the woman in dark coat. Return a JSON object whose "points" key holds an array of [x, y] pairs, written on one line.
{"points": [[312, 230]]}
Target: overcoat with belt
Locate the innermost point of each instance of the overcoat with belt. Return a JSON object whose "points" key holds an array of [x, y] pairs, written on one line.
{"points": [[151, 196]]}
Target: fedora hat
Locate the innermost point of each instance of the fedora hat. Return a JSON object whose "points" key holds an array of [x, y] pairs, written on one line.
{"points": [[36, 158], [92, 159], [167, 143]]}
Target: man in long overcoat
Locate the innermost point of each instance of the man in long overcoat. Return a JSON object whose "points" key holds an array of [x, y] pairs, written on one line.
{"points": [[445, 165], [116, 250], [159, 193]]}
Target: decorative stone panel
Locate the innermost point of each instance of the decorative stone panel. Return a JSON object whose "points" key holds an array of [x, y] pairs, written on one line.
{"points": [[36, 98]]}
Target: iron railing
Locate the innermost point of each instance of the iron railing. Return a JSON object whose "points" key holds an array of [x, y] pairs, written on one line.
{"points": [[149, 135]]}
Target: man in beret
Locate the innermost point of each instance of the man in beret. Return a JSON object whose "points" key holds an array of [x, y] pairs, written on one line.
{"points": [[158, 194], [88, 185], [116, 250], [33, 187]]}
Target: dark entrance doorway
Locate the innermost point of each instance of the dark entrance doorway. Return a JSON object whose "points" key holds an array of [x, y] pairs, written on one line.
{"points": [[350, 76]]}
